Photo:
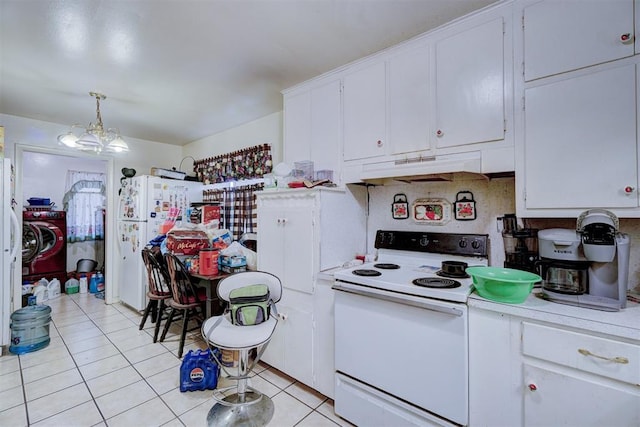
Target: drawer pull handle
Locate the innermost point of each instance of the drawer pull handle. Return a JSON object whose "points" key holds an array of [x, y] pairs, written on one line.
{"points": [[618, 359]]}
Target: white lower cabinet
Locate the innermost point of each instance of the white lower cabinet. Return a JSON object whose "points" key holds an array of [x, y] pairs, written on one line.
{"points": [[554, 397], [526, 372], [291, 346], [300, 233]]}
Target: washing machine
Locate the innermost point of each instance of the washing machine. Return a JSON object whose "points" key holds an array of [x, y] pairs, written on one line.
{"points": [[44, 245]]}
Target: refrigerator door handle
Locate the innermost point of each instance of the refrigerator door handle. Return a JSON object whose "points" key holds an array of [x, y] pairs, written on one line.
{"points": [[16, 233]]}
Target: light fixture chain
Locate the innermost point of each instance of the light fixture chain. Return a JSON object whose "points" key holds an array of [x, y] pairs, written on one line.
{"points": [[99, 116]]}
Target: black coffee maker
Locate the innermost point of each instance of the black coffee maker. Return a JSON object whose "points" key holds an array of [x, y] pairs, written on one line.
{"points": [[520, 245]]}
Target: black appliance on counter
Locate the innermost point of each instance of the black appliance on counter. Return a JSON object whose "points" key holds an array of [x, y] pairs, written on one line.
{"points": [[520, 245]]}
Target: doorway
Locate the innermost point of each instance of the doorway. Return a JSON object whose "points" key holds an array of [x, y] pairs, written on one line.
{"points": [[42, 173]]}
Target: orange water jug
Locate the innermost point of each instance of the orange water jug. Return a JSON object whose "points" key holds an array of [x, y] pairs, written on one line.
{"points": [[208, 262]]}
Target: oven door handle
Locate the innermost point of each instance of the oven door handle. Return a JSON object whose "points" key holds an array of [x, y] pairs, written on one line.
{"points": [[382, 295]]}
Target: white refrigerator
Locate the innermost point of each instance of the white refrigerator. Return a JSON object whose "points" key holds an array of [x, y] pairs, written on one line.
{"points": [[145, 203], [9, 243]]}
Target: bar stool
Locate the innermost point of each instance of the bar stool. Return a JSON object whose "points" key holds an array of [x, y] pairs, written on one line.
{"points": [[247, 406]]}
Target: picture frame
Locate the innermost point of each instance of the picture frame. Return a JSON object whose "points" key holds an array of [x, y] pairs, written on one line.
{"points": [[431, 211]]}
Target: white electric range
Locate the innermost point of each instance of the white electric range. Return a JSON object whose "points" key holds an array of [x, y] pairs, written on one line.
{"points": [[401, 332]]}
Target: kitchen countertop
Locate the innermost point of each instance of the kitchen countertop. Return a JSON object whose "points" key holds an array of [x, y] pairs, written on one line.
{"points": [[624, 323]]}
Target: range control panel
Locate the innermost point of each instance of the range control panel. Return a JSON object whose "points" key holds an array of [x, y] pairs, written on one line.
{"points": [[440, 243]]}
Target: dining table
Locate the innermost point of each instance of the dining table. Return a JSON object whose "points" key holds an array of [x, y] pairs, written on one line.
{"points": [[210, 283]]}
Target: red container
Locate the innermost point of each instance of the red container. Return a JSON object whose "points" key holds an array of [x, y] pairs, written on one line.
{"points": [[210, 213], [209, 262]]}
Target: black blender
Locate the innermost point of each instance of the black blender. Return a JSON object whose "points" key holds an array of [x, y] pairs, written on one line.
{"points": [[520, 245]]}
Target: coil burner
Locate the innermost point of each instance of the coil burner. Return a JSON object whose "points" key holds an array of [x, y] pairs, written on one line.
{"points": [[436, 282]]}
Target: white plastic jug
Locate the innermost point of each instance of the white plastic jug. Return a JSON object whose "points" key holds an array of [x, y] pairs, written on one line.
{"points": [[40, 292], [53, 289]]}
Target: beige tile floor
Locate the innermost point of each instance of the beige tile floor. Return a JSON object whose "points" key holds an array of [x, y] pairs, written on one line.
{"points": [[99, 369]]}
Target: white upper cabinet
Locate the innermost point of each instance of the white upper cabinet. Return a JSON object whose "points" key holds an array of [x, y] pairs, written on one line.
{"points": [[326, 127], [312, 126], [364, 103], [470, 85], [561, 36], [580, 142], [576, 130], [409, 100], [297, 127]]}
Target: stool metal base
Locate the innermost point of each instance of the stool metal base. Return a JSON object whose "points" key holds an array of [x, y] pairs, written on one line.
{"points": [[255, 410]]}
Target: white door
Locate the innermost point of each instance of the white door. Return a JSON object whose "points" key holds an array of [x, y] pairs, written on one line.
{"points": [[561, 36], [580, 142], [9, 246], [409, 101], [326, 127], [470, 86], [132, 199], [298, 255], [132, 280], [560, 399], [364, 99], [297, 125]]}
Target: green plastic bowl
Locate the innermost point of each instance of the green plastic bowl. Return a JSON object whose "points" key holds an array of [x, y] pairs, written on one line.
{"points": [[503, 284]]}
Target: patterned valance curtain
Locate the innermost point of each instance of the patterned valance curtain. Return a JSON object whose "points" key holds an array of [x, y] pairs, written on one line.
{"points": [[238, 209], [84, 201], [248, 163]]}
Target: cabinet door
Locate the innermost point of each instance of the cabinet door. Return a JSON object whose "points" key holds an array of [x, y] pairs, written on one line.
{"points": [[297, 127], [580, 142], [271, 243], [556, 398], [409, 101], [291, 346], [299, 345], [560, 36], [326, 128], [470, 86], [364, 100], [298, 253]]}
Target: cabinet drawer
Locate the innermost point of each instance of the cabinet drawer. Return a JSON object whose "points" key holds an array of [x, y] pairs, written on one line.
{"points": [[601, 356]]}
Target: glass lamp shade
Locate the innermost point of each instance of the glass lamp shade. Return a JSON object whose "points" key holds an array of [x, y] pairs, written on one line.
{"points": [[68, 139], [89, 140], [118, 145]]}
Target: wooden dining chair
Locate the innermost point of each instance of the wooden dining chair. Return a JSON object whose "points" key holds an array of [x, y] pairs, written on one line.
{"points": [[186, 299], [158, 290]]}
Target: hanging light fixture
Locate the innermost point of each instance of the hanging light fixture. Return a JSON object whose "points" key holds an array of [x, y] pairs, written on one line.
{"points": [[94, 137]]}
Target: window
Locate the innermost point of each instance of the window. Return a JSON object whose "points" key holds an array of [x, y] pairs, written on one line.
{"points": [[84, 202]]}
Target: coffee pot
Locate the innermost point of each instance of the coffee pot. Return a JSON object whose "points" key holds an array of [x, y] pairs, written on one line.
{"points": [[588, 266], [520, 245]]}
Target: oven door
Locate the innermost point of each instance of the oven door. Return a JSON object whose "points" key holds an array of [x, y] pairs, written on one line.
{"points": [[410, 348]]}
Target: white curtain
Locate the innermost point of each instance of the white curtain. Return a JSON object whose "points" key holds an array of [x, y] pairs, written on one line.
{"points": [[84, 201]]}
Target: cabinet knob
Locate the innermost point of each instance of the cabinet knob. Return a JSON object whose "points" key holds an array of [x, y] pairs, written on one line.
{"points": [[532, 387], [379, 143], [439, 133], [626, 38], [629, 189]]}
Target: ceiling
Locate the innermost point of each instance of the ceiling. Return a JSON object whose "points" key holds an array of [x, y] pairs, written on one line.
{"points": [[175, 71]]}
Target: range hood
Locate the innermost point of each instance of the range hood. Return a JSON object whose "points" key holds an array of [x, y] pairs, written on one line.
{"points": [[424, 168]]}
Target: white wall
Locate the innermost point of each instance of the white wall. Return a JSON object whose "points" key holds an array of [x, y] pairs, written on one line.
{"points": [[35, 135], [266, 130]]}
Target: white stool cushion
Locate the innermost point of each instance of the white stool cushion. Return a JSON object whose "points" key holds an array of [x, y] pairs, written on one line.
{"points": [[229, 336]]}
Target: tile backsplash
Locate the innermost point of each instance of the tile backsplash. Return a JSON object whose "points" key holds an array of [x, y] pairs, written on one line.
{"points": [[493, 199]]}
